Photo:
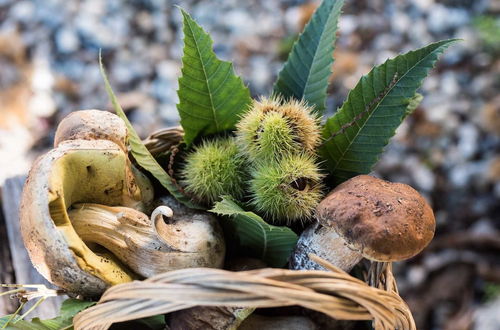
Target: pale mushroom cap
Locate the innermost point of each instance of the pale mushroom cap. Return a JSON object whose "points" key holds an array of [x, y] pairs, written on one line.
{"points": [[384, 221], [92, 125]]}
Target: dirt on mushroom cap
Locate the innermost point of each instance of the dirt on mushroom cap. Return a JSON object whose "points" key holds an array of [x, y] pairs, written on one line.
{"points": [[382, 220], [92, 125]]}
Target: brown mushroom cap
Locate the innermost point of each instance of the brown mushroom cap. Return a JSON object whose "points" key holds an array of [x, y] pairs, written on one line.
{"points": [[92, 125], [382, 220]]}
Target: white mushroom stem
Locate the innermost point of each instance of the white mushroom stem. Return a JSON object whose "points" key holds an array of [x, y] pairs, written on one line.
{"points": [[327, 244], [146, 246], [163, 211], [158, 221]]}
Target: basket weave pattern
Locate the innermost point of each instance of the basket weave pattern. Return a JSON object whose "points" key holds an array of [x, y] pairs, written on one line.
{"points": [[332, 292]]}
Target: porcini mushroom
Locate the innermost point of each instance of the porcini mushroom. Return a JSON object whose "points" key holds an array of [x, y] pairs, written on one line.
{"points": [[366, 217], [85, 249]]}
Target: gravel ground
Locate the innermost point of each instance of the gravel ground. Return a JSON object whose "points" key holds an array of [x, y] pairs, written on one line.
{"points": [[448, 149]]}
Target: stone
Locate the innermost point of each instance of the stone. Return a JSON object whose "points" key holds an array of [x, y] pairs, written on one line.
{"points": [[487, 316], [67, 40], [468, 136]]}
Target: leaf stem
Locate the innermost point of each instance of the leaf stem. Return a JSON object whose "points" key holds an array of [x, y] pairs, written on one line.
{"points": [[13, 315], [32, 308], [11, 292]]}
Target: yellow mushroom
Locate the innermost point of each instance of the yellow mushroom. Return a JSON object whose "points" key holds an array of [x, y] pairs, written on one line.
{"points": [[82, 217]]}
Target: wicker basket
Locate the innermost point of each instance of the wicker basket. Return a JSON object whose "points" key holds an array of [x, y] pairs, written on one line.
{"points": [[332, 292]]}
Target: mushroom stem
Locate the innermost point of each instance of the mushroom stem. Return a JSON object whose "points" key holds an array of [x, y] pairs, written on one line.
{"points": [[127, 233], [375, 272], [146, 246], [325, 243]]}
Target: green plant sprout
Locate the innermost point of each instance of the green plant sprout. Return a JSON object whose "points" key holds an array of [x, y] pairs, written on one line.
{"points": [[40, 291]]}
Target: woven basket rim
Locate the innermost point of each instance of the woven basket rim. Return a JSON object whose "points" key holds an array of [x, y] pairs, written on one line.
{"points": [[333, 292]]}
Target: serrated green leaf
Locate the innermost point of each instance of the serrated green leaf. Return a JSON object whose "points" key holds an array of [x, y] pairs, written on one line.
{"points": [[413, 103], [7, 318], [70, 307], [211, 97], [272, 244], [139, 150], [356, 135], [306, 72]]}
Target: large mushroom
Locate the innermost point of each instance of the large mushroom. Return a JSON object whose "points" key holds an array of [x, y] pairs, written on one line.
{"points": [[366, 217], [82, 217]]}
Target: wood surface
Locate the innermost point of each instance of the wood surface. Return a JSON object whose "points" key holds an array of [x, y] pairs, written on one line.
{"points": [[15, 263]]}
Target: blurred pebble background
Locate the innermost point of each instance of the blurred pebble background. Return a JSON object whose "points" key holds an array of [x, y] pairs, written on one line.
{"points": [[448, 149]]}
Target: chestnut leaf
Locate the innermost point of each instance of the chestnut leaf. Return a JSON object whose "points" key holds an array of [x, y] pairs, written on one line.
{"points": [[355, 136], [306, 72], [271, 244], [211, 97]]}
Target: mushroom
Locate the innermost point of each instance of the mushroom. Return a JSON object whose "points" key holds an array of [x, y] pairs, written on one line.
{"points": [[92, 125], [149, 247], [81, 213], [366, 217]]}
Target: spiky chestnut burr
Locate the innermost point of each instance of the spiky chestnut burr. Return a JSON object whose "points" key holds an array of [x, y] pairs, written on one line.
{"points": [[288, 189], [273, 127], [214, 168]]}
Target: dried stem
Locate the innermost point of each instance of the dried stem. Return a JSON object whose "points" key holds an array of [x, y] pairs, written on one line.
{"points": [[40, 291]]}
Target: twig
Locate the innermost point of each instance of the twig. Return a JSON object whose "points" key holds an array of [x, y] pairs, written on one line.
{"points": [[40, 291], [13, 315], [31, 309]]}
